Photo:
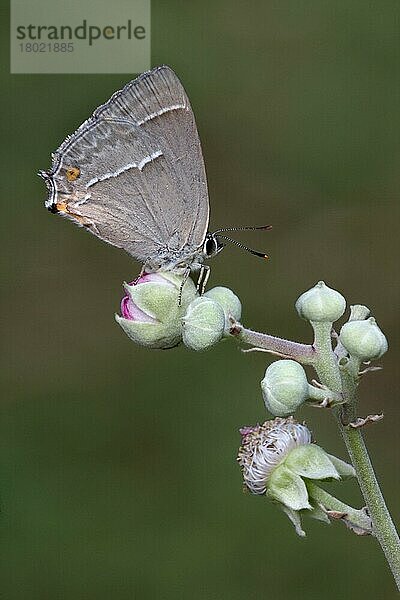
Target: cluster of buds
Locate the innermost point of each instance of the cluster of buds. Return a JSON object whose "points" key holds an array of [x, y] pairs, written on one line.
{"points": [[285, 387], [278, 459], [360, 336], [160, 310]]}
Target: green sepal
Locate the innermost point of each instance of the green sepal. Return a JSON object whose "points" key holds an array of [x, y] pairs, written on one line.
{"points": [[151, 335], [319, 514], [312, 462], [288, 488], [345, 470], [295, 519], [160, 300]]}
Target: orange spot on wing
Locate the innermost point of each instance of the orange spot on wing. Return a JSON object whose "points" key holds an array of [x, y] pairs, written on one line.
{"points": [[72, 173], [62, 206]]}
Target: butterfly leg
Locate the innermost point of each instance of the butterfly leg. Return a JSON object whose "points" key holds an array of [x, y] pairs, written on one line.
{"points": [[203, 278], [185, 278], [142, 271]]}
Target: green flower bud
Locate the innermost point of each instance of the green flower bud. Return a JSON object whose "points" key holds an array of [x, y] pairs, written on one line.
{"points": [[284, 387], [203, 324], [363, 339], [321, 303], [230, 303], [359, 312], [153, 308]]}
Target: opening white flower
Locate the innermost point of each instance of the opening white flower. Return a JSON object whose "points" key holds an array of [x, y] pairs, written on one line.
{"points": [[266, 446]]}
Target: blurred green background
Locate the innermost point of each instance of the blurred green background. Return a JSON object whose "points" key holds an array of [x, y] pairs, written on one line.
{"points": [[118, 473]]}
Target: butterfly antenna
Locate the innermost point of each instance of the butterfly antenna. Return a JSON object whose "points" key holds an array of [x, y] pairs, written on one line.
{"points": [[240, 245], [246, 228]]}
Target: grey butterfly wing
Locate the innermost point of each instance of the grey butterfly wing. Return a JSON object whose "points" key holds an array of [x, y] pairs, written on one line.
{"points": [[115, 212], [133, 174]]}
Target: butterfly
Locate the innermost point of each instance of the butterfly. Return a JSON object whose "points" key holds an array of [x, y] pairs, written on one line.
{"points": [[133, 174]]}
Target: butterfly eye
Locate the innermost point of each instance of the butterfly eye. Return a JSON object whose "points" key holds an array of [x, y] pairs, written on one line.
{"points": [[72, 173], [210, 246]]}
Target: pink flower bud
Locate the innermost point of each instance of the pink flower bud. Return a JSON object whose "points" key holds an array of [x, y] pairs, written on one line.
{"points": [[129, 310], [152, 310]]}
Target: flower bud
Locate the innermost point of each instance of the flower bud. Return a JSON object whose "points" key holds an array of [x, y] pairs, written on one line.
{"points": [[230, 303], [363, 339], [321, 303], [284, 387], [203, 324], [153, 307]]}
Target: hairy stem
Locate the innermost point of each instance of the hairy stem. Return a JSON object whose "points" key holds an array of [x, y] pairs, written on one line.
{"points": [[303, 353], [383, 526], [355, 519], [345, 380], [325, 362]]}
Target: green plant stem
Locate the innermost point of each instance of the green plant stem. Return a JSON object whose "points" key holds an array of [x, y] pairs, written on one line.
{"points": [[354, 518], [325, 362], [303, 353], [383, 526], [345, 382]]}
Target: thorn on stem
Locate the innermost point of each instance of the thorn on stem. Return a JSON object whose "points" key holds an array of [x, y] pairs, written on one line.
{"points": [[256, 349], [369, 370], [361, 422], [325, 403], [236, 327], [319, 385], [355, 528]]}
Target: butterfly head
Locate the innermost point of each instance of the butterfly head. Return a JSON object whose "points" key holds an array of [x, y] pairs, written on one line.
{"points": [[212, 245]]}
